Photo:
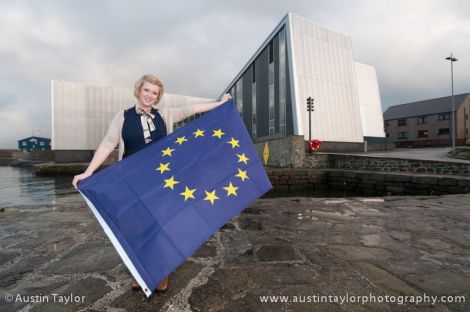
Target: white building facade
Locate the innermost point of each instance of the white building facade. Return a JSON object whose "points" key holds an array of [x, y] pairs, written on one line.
{"points": [[302, 59]]}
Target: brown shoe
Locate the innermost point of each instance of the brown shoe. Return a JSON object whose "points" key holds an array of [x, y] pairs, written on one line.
{"points": [[163, 286], [135, 285]]}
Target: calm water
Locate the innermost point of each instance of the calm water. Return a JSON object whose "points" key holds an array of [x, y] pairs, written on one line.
{"points": [[18, 187]]}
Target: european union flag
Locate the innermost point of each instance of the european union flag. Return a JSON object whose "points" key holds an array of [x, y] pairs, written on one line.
{"points": [[159, 205]]}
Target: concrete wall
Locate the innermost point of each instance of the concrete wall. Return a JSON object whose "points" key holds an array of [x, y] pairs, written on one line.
{"points": [[369, 101], [323, 69], [462, 119]]}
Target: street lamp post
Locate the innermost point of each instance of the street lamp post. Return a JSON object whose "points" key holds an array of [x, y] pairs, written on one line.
{"points": [[452, 60]]}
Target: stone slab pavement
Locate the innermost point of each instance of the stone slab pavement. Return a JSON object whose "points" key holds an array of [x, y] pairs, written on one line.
{"points": [[57, 258]]}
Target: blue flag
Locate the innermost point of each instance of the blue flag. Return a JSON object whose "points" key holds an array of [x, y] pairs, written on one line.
{"points": [[159, 205]]}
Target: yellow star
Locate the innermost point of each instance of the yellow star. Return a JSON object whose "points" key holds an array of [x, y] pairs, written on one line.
{"points": [[231, 190], [181, 140], [188, 193], [170, 182], [210, 196], [198, 133], [163, 167], [242, 158], [234, 143], [242, 175], [167, 152], [218, 133]]}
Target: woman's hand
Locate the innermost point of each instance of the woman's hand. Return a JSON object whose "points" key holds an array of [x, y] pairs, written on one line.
{"points": [[225, 98], [80, 177]]}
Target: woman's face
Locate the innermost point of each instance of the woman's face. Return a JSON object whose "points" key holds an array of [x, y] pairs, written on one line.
{"points": [[148, 94]]}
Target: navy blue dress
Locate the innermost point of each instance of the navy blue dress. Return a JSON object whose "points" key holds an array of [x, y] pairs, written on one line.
{"points": [[133, 134]]}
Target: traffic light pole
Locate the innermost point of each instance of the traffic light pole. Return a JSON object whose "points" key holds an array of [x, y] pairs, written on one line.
{"points": [[310, 108]]}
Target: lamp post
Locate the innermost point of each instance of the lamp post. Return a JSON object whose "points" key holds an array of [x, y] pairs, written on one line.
{"points": [[452, 60]]}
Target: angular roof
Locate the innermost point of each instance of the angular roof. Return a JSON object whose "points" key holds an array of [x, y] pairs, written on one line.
{"points": [[35, 137], [426, 107]]}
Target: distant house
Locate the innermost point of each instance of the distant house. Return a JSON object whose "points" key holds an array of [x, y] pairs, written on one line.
{"points": [[428, 122], [34, 143]]}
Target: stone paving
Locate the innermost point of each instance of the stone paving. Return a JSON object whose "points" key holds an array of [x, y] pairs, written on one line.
{"points": [[300, 247]]}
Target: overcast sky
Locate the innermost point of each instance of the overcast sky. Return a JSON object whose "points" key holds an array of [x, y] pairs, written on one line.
{"points": [[197, 47]]}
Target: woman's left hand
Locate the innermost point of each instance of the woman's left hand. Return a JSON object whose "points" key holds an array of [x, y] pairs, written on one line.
{"points": [[225, 98]]}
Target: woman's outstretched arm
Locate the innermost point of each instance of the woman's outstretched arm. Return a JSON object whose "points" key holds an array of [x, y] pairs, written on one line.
{"points": [[202, 108]]}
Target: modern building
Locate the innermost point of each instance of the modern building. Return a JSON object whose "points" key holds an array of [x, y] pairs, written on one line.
{"points": [[34, 143], [299, 59], [428, 122], [302, 59]]}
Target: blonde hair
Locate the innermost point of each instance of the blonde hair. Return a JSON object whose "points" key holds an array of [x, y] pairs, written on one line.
{"points": [[150, 79]]}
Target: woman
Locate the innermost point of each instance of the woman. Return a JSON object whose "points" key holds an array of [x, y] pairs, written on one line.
{"points": [[140, 125]]}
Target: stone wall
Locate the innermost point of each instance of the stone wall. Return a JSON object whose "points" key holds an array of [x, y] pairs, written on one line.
{"points": [[381, 164], [286, 152], [365, 182]]}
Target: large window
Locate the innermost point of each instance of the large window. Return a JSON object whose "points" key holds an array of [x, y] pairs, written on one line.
{"points": [[422, 133], [271, 90], [282, 82], [253, 112], [402, 122], [422, 120], [238, 96], [402, 136]]}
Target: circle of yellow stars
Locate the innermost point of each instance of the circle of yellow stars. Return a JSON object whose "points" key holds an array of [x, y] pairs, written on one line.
{"points": [[211, 196]]}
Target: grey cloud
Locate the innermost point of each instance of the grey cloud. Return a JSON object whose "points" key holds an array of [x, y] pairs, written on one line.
{"points": [[197, 47]]}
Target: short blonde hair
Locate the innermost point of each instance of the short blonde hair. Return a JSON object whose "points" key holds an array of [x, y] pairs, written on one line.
{"points": [[150, 79]]}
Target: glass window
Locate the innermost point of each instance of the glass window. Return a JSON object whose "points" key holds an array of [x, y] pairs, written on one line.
{"points": [[443, 131], [282, 82], [41, 143], [422, 120], [443, 117], [239, 96], [24, 143], [271, 99], [422, 133], [402, 136], [253, 112], [271, 52], [402, 122]]}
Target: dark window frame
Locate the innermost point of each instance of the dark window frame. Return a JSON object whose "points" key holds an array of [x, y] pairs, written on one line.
{"points": [[441, 132], [403, 135], [444, 116], [421, 120]]}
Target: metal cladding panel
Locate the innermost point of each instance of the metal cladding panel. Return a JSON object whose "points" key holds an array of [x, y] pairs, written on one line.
{"points": [[81, 113], [324, 70], [369, 101]]}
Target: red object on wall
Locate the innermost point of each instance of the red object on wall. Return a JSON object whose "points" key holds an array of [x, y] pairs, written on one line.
{"points": [[314, 145]]}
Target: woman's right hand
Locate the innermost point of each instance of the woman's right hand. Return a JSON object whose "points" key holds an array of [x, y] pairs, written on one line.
{"points": [[80, 177]]}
